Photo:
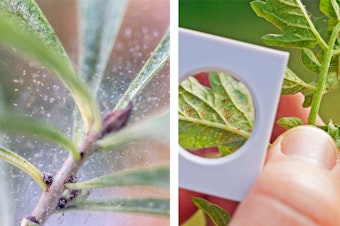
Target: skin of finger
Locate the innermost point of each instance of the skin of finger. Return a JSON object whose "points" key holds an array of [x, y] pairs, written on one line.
{"points": [[289, 105], [300, 193]]}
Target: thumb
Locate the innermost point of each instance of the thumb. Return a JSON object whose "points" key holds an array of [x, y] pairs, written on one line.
{"points": [[299, 183]]}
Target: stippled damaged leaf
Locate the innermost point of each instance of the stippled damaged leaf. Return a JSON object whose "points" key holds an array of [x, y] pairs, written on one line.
{"points": [[289, 122], [310, 61], [220, 116], [291, 17], [218, 215], [293, 84]]}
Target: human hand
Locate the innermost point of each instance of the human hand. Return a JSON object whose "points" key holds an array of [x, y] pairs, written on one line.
{"points": [[299, 184]]}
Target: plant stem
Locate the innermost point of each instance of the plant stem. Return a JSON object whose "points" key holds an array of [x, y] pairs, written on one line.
{"points": [[323, 76], [49, 199]]}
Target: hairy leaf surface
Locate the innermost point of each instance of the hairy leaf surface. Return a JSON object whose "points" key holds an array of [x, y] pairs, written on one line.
{"points": [[220, 116], [291, 17]]}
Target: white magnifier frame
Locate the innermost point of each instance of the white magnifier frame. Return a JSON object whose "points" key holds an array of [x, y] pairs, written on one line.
{"points": [[262, 71]]}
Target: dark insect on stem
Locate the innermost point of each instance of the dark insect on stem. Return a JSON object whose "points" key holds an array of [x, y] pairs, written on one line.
{"points": [[71, 179], [116, 120], [47, 178], [62, 202]]}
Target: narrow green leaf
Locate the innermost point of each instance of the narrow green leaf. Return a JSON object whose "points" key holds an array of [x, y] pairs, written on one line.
{"points": [[289, 122], [154, 206], [156, 176], [221, 116], [12, 123], [27, 16], [156, 61], [34, 48], [218, 215], [21, 163], [291, 17], [157, 128], [309, 60], [7, 210], [293, 84], [100, 21]]}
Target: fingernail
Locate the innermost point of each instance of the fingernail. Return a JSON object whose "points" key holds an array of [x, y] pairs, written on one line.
{"points": [[311, 144]]}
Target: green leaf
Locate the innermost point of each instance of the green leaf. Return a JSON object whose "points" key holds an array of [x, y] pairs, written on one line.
{"points": [[156, 61], [27, 16], [293, 84], [332, 82], [330, 8], [34, 47], [220, 116], [100, 22], [289, 122], [310, 60], [218, 215], [155, 128], [14, 124], [333, 130], [156, 176], [331, 85], [308, 99], [291, 17], [21, 163], [7, 203], [154, 206]]}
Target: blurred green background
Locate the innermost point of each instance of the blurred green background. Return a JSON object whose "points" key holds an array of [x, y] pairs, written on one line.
{"points": [[235, 19]]}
